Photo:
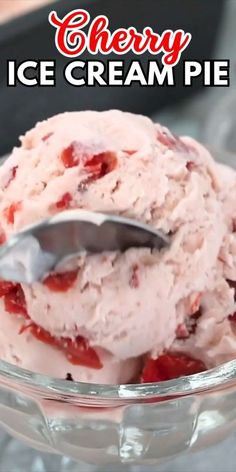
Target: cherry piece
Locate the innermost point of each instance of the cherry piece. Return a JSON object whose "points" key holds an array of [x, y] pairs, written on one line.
{"points": [[10, 211], [12, 176], [61, 282], [47, 136], [73, 154], [101, 164], [84, 184], [64, 202], [134, 279], [42, 335], [232, 317], [77, 352], [14, 301], [171, 141], [97, 164], [6, 287], [170, 366], [232, 283], [191, 165], [191, 321], [130, 152]]}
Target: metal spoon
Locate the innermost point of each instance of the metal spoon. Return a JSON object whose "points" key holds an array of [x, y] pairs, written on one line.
{"points": [[30, 254]]}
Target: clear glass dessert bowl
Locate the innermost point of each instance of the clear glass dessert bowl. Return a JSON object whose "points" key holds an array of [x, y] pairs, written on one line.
{"points": [[128, 424]]}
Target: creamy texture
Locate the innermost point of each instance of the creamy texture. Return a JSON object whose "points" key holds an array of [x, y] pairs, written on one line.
{"points": [[131, 304], [29, 353], [214, 340]]}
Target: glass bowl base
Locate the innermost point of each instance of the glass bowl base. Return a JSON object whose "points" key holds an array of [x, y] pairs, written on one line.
{"points": [[15, 456]]}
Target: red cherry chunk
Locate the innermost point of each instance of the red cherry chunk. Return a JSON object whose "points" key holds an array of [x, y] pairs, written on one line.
{"points": [[73, 154], [12, 176], [6, 287], [171, 141], [134, 279], [42, 335], [101, 164], [14, 301], [97, 164], [232, 317], [130, 152], [191, 165], [167, 139], [64, 202], [10, 211], [77, 352], [192, 321], [232, 283], [61, 282], [170, 366], [47, 136], [84, 184]]}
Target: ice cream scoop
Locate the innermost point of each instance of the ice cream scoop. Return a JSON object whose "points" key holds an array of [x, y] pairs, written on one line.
{"points": [[31, 254], [107, 316]]}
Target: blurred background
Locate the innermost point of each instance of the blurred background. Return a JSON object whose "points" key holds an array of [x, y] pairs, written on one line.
{"points": [[25, 34], [205, 113]]}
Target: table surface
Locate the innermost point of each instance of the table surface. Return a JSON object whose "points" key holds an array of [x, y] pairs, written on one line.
{"points": [[192, 119]]}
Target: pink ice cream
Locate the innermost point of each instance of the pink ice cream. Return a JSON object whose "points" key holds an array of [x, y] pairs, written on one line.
{"points": [[121, 307]]}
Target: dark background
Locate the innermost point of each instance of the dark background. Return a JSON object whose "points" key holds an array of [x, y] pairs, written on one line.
{"points": [[31, 37]]}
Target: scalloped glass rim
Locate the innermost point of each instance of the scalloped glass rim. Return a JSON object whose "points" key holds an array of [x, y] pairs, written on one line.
{"points": [[221, 376]]}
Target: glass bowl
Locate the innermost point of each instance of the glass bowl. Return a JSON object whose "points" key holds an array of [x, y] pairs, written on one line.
{"points": [[130, 424]]}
